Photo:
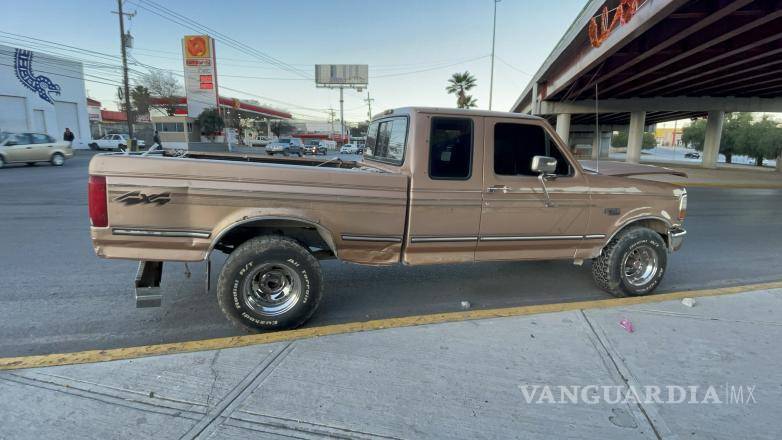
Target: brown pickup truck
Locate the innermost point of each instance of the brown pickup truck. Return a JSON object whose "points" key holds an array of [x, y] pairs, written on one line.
{"points": [[435, 186]]}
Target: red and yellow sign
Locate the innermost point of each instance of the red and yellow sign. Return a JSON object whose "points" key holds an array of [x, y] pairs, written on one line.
{"points": [[198, 54], [197, 46]]}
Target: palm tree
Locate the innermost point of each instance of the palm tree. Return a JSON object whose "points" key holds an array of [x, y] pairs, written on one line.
{"points": [[458, 84]]}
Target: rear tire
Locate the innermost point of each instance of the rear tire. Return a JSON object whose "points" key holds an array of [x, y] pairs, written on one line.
{"points": [[632, 264], [93, 146], [269, 283], [2, 162], [58, 160]]}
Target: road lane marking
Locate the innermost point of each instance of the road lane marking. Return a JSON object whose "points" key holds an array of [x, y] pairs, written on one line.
{"points": [[90, 356]]}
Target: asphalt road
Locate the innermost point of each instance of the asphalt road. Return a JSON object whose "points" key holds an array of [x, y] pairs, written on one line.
{"points": [[56, 296]]}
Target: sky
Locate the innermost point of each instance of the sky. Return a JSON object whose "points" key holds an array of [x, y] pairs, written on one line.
{"points": [[412, 47]]}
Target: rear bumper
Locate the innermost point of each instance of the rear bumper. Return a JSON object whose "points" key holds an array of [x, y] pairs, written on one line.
{"points": [[676, 238]]}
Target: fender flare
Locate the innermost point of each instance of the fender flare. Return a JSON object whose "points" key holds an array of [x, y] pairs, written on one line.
{"points": [[324, 232], [634, 220]]}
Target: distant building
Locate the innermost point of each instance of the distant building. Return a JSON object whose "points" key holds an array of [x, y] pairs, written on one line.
{"points": [[42, 93]]}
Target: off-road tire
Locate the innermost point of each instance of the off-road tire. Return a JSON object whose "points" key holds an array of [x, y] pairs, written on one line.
{"points": [[608, 273], [57, 160], [262, 250]]}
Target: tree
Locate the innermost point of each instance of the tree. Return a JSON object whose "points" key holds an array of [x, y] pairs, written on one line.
{"points": [[360, 130], [736, 133], [619, 139], [281, 128], [211, 122], [762, 140], [459, 84], [695, 134], [165, 87], [139, 97]]}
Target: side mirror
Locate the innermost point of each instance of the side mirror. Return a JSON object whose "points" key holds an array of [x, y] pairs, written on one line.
{"points": [[544, 165]]}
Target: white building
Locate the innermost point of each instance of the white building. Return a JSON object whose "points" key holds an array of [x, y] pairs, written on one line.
{"points": [[42, 93]]}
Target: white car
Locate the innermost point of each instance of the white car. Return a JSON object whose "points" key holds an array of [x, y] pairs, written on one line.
{"points": [[349, 149], [112, 142]]}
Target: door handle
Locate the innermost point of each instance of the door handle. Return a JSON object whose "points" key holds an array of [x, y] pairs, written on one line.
{"points": [[28, 148], [498, 189]]}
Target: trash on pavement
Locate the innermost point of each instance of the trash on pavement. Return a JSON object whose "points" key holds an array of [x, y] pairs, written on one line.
{"points": [[627, 325], [689, 302], [466, 305]]}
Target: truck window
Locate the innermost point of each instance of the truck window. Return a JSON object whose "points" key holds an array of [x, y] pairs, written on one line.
{"points": [[516, 144], [450, 148], [386, 140]]}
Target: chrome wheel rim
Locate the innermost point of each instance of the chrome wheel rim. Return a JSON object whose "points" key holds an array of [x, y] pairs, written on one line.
{"points": [[58, 160], [640, 265], [272, 289]]}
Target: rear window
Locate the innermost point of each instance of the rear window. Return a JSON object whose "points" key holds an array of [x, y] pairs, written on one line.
{"points": [[387, 140], [450, 148]]}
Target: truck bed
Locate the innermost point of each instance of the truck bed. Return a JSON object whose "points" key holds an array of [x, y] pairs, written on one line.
{"points": [[177, 208]]}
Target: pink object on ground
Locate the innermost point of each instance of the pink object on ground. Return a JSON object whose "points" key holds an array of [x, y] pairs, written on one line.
{"points": [[627, 325]]}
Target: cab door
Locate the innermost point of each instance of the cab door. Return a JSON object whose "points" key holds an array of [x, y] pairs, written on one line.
{"points": [[518, 221], [43, 145]]}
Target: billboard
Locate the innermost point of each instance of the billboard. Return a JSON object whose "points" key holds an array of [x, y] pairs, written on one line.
{"points": [[198, 53], [336, 75]]}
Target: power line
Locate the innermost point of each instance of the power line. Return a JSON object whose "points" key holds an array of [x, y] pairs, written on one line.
{"points": [[189, 23]]}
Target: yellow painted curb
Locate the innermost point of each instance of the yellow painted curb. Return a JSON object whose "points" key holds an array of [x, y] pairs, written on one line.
{"points": [[90, 356]]}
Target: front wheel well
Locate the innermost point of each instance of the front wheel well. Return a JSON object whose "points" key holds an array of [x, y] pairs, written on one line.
{"points": [[309, 235], [655, 225]]}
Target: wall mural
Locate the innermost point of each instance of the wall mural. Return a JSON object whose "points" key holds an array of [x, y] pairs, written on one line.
{"points": [[42, 85]]}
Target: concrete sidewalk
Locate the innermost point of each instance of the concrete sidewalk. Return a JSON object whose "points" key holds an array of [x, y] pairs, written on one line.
{"points": [[451, 380]]}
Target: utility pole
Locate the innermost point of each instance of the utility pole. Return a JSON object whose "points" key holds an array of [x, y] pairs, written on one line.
{"points": [[369, 106], [331, 119], [493, 35], [123, 45], [342, 114]]}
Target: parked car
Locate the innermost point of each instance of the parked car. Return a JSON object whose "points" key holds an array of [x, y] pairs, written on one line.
{"points": [[286, 147], [113, 142], [443, 195], [315, 146], [692, 155], [349, 149], [30, 148], [260, 141]]}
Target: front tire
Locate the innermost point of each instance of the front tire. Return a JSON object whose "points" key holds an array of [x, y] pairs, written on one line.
{"points": [[58, 160], [270, 283], [632, 264]]}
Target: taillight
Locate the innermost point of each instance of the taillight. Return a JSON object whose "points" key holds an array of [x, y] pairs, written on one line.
{"points": [[96, 200]]}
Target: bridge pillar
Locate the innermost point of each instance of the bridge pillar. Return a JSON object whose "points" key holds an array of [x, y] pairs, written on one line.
{"points": [[635, 136], [563, 127], [711, 145]]}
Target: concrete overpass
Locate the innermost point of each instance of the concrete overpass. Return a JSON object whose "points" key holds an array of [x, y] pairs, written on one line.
{"points": [[660, 60]]}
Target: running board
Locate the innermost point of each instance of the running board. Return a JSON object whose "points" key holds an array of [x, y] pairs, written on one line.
{"points": [[148, 284]]}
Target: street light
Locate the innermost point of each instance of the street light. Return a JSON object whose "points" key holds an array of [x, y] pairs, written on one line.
{"points": [[493, 34]]}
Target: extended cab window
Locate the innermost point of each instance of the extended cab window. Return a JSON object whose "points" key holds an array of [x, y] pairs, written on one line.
{"points": [[450, 148], [516, 144], [386, 140]]}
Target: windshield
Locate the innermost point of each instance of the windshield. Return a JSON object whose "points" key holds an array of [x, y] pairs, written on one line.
{"points": [[387, 140]]}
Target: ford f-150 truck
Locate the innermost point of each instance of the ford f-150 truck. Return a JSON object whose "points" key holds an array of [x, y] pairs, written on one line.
{"points": [[435, 186]]}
